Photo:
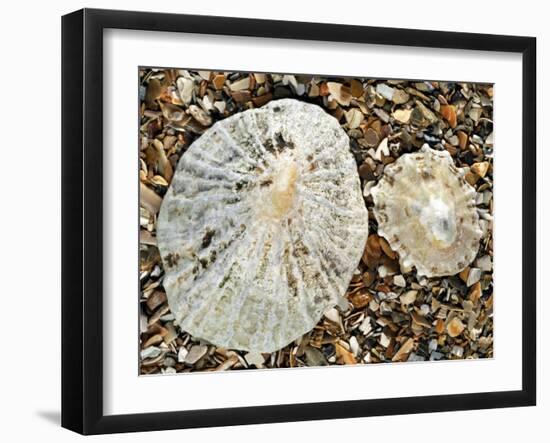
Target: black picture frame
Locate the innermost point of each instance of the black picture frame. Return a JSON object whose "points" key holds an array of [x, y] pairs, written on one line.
{"points": [[82, 219]]}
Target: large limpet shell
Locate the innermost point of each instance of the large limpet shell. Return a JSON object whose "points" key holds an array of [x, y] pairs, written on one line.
{"points": [[427, 212], [262, 226]]}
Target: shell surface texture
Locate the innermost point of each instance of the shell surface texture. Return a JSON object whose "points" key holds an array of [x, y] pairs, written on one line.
{"points": [[426, 211], [262, 226]]}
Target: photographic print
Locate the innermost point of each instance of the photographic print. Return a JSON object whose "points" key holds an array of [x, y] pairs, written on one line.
{"points": [[301, 220]]}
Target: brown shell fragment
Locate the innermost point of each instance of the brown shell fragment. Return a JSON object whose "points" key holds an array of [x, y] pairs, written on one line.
{"points": [[426, 211]]}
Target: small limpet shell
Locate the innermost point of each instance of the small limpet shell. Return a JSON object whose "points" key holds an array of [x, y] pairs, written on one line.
{"points": [[427, 212], [262, 226]]}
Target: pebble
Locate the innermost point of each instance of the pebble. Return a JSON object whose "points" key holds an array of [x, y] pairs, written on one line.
{"points": [[313, 90], [480, 169], [479, 198], [245, 95], [220, 106], [185, 89], [200, 115], [171, 333], [384, 340], [343, 304], [475, 293], [300, 89], [484, 263], [475, 114], [142, 93], [354, 117], [142, 323], [290, 80], [328, 350], [473, 276], [424, 86], [471, 178], [156, 299], [383, 115], [424, 309], [339, 93], [399, 97], [383, 271], [182, 353], [371, 137], [426, 113], [373, 305], [373, 245], [417, 118], [382, 149], [260, 78], [150, 352], [385, 91], [385, 308], [368, 186], [449, 113], [219, 81], [205, 75], [360, 299], [255, 359], [356, 88], [366, 326], [333, 315], [402, 115], [408, 297], [153, 340], [239, 85], [453, 140], [366, 172], [436, 356], [487, 196], [464, 274], [468, 305], [169, 362], [387, 249], [167, 317], [455, 327], [399, 280], [354, 345], [195, 354], [462, 139], [415, 357], [404, 350], [457, 351], [314, 357]]}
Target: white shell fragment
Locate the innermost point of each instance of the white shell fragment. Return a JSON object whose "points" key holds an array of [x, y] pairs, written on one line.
{"points": [[262, 226], [426, 211]]}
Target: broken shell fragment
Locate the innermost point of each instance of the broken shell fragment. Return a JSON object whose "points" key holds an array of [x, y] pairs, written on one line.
{"points": [[426, 211], [262, 226]]}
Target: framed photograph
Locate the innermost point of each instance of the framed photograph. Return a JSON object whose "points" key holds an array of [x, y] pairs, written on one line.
{"points": [[269, 221]]}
